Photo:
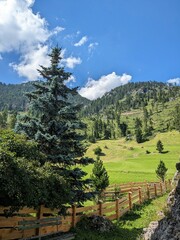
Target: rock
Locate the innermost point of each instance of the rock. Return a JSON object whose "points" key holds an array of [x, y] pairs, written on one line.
{"points": [[167, 228]]}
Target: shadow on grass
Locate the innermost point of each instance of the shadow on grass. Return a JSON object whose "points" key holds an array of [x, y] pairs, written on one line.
{"points": [[164, 152], [118, 234]]}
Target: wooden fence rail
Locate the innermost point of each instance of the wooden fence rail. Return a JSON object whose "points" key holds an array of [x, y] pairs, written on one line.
{"points": [[132, 193]]}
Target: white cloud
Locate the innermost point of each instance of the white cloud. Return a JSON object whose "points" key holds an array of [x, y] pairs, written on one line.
{"points": [[97, 88], [31, 61], [71, 62], [92, 46], [20, 27], [81, 42], [174, 81], [25, 32], [1, 58]]}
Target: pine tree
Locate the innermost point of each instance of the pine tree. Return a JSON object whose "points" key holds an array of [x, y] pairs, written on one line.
{"points": [[159, 146], [161, 171], [52, 121], [138, 130], [99, 177]]}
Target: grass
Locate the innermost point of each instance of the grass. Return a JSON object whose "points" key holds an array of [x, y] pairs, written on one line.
{"points": [[127, 161], [130, 226]]}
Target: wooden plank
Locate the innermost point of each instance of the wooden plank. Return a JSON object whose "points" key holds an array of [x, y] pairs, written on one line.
{"points": [[108, 204], [49, 229], [86, 209], [12, 221], [124, 203], [111, 217], [8, 234], [94, 213], [108, 210], [122, 212]]}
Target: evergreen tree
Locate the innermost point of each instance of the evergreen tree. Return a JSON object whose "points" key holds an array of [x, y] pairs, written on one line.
{"points": [[161, 171], [176, 115], [159, 146], [123, 126], [52, 121], [99, 177], [138, 130]]}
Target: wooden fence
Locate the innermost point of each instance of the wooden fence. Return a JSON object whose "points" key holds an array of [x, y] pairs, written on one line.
{"points": [[129, 194]]}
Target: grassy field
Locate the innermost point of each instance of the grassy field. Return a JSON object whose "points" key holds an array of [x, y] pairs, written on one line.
{"points": [[127, 161], [130, 226]]}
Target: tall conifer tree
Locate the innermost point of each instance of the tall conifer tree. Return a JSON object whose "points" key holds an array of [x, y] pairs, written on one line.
{"points": [[52, 121]]}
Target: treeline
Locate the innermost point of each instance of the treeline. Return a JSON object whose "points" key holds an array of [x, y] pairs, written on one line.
{"points": [[114, 115], [13, 96], [133, 96]]}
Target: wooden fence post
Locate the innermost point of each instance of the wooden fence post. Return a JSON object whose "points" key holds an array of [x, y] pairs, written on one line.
{"points": [[140, 195], [73, 215], [148, 192], [117, 209], [39, 216], [155, 190], [130, 200], [100, 208], [161, 188]]}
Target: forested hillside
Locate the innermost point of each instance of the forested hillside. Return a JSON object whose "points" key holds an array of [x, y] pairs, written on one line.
{"points": [[12, 96], [133, 96], [135, 110]]}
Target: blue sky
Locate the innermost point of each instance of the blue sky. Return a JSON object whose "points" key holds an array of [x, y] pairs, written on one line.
{"points": [[106, 43]]}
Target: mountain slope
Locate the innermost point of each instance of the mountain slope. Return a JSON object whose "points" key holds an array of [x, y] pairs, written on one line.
{"points": [[12, 96]]}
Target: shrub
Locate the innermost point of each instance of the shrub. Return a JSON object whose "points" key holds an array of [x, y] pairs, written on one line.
{"points": [[97, 151]]}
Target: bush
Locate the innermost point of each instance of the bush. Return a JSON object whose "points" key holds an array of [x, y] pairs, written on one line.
{"points": [[23, 180], [97, 151]]}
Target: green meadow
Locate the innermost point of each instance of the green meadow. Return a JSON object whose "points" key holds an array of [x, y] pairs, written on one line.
{"points": [[128, 161]]}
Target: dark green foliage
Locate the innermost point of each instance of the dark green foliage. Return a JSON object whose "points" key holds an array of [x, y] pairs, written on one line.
{"points": [[138, 130], [161, 171], [97, 151], [159, 146], [12, 96], [99, 176], [23, 180], [52, 121], [3, 119], [123, 126], [176, 116]]}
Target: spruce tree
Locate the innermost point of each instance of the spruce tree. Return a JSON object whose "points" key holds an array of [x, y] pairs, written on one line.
{"points": [[99, 177], [161, 170], [159, 146], [52, 121]]}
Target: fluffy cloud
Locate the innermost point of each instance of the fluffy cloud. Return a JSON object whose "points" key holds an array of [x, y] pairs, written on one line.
{"points": [[97, 88], [81, 42], [20, 28], [174, 81], [26, 33], [31, 61], [71, 62]]}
